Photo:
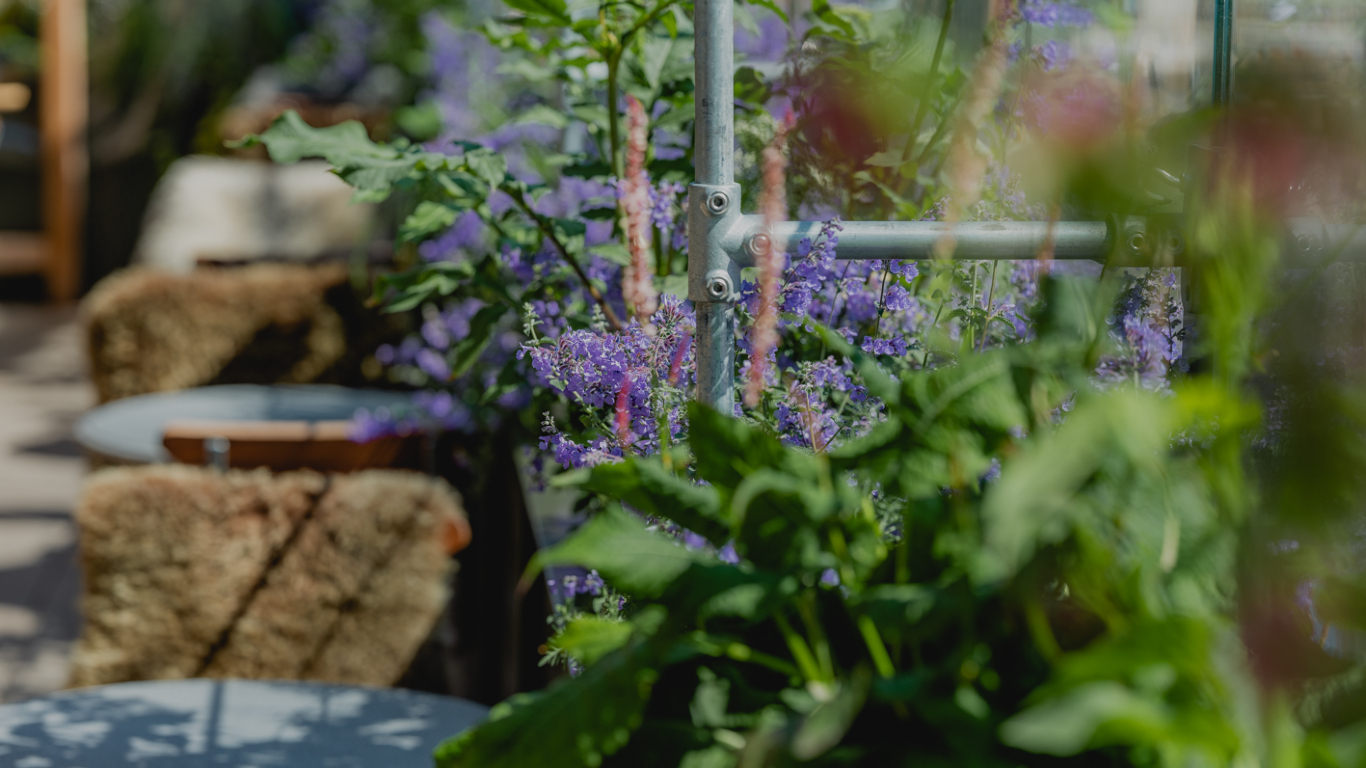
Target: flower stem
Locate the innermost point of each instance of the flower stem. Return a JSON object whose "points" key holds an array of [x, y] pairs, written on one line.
{"points": [[613, 118], [801, 652], [549, 232], [876, 648], [933, 75]]}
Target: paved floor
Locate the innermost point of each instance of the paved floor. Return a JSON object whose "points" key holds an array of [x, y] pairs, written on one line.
{"points": [[43, 389]]}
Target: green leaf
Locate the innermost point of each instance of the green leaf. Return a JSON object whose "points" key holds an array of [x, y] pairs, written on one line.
{"points": [[772, 6], [543, 12], [489, 166], [1069, 724], [543, 115], [605, 213], [648, 486], [637, 561], [778, 516], [895, 606], [570, 227], [826, 13], [826, 726], [1031, 506], [289, 140], [614, 252], [733, 449], [576, 723], [654, 54], [482, 328], [589, 638], [428, 219]]}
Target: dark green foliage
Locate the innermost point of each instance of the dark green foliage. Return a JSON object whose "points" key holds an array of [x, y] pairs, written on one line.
{"points": [[1065, 609]]}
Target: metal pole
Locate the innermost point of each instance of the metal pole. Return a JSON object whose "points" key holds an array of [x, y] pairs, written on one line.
{"points": [[714, 205], [1223, 51], [714, 155], [915, 240]]}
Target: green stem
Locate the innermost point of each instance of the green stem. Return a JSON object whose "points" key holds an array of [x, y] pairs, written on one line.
{"points": [[742, 652], [662, 266], [939, 131], [876, 648], [924, 107], [806, 610], [881, 307], [801, 652], [991, 292], [613, 116], [613, 59], [548, 231]]}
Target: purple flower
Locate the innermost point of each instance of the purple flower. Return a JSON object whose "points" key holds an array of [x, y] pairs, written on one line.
{"points": [[1054, 55], [433, 364], [367, 425], [1051, 14], [770, 44], [466, 234]]}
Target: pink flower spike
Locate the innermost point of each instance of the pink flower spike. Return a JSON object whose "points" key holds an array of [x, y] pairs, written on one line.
{"points": [[773, 205], [623, 413], [638, 287], [676, 366]]}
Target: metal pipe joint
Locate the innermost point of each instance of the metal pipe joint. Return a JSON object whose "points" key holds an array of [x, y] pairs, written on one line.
{"points": [[716, 232]]}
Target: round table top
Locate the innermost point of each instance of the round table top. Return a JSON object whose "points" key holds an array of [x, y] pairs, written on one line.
{"points": [[130, 430], [231, 724]]}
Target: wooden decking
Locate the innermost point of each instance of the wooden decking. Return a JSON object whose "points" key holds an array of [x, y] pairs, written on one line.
{"points": [[42, 391]]}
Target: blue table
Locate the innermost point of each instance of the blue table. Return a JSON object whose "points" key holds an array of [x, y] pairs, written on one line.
{"points": [[130, 430], [230, 724]]}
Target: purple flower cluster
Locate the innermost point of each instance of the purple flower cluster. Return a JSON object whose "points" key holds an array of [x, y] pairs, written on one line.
{"points": [[667, 199], [1052, 14], [1053, 55], [1147, 331], [895, 346], [424, 359], [631, 383], [769, 43], [571, 585]]}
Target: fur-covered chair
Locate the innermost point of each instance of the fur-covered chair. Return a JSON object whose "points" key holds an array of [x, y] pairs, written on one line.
{"points": [[191, 572], [153, 331]]}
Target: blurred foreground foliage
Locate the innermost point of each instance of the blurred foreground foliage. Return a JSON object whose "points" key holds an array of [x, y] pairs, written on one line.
{"points": [[897, 602]]}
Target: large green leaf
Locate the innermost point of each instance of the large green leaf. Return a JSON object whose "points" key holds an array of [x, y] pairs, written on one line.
{"points": [[543, 12], [289, 140], [487, 165], [589, 638], [428, 219], [637, 561], [1031, 505], [727, 450], [573, 725], [648, 486], [1072, 723]]}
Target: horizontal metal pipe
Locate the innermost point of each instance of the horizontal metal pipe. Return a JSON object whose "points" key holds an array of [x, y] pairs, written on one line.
{"points": [[1312, 242], [987, 240]]}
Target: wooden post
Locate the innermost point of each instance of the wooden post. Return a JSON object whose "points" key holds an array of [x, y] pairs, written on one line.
{"points": [[64, 85]]}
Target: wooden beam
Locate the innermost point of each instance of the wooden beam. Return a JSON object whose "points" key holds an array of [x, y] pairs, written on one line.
{"points": [[64, 109]]}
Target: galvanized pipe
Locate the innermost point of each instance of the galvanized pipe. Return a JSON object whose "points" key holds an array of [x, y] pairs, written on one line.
{"points": [[915, 240], [714, 56], [714, 204], [1222, 90]]}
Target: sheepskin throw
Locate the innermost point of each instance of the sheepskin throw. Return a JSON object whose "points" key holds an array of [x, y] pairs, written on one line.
{"points": [[299, 576], [151, 331]]}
